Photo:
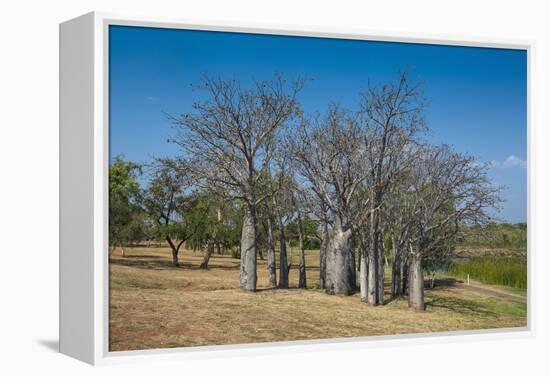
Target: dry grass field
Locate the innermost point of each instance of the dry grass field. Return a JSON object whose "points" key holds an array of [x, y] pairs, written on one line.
{"points": [[155, 305]]}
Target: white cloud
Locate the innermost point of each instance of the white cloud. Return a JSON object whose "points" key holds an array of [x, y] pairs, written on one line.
{"points": [[509, 162], [514, 161]]}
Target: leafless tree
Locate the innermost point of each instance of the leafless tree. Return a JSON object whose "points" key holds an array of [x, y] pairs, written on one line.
{"points": [[399, 210], [329, 155], [228, 140], [392, 117], [448, 189]]}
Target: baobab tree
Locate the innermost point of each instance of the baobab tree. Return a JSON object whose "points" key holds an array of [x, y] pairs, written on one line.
{"points": [[450, 189], [228, 139], [400, 211], [329, 153], [392, 118]]}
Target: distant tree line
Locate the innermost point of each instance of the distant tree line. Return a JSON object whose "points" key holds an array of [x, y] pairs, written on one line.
{"points": [[494, 235], [255, 172]]}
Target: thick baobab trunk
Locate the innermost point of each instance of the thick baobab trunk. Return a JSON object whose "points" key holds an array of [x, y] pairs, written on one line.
{"points": [[207, 255], [248, 277], [338, 254], [323, 256], [271, 264], [416, 283], [302, 267]]}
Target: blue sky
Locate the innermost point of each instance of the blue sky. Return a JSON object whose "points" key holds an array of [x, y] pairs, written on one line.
{"points": [[477, 95]]}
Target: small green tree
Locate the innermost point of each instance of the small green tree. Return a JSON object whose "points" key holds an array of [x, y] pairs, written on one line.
{"points": [[125, 216], [168, 204]]}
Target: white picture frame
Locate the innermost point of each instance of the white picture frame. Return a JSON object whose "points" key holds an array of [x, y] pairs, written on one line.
{"points": [[84, 156]]}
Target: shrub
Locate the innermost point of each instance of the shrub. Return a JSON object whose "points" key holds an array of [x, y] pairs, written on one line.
{"points": [[236, 253]]}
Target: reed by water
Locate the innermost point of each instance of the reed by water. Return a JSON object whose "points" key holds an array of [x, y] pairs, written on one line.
{"points": [[506, 271]]}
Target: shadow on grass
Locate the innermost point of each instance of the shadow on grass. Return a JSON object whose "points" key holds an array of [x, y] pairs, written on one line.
{"points": [[152, 262], [459, 305], [441, 283], [269, 289], [142, 257]]}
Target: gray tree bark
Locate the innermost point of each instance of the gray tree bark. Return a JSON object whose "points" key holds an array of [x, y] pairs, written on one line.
{"points": [[302, 283], [248, 277], [271, 264], [363, 270], [396, 277], [374, 263], [405, 278], [352, 267], [323, 256], [363, 274], [208, 254], [416, 283], [338, 254], [381, 265], [283, 260], [396, 269], [372, 286]]}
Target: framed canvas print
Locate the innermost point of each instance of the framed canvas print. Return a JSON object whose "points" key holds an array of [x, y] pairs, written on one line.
{"points": [[234, 189]]}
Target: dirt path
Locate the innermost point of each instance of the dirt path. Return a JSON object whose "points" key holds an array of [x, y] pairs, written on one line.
{"points": [[493, 292]]}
